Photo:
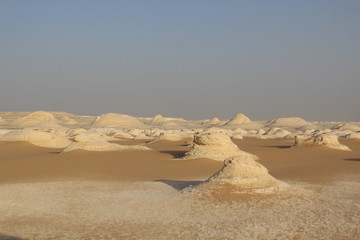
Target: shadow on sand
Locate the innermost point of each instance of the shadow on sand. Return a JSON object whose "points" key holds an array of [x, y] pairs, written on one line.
{"points": [[281, 146], [8, 237], [179, 185], [353, 159], [175, 154]]}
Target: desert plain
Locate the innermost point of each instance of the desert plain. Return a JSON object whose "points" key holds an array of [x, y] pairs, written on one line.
{"points": [[114, 176]]}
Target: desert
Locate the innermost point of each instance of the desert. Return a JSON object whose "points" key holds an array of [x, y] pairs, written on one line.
{"points": [[116, 176], [179, 120]]}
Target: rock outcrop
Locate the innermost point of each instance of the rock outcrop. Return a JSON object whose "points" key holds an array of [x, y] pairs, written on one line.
{"points": [[326, 140], [215, 146]]}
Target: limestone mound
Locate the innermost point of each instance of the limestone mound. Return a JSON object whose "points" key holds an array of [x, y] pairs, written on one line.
{"points": [[240, 131], [38, 138], [353, 136], [37, 119], [277, 132], [347, 126], [238, 119], [68, 121], [217, 130], [215, 146], [245, 173], [213, 121], [326, 140], [171, 136], [115, 120], [293, 122], [96, 142], [157, 119]]}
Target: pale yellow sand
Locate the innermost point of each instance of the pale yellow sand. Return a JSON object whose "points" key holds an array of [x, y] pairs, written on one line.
{"points": [[22, 162]]}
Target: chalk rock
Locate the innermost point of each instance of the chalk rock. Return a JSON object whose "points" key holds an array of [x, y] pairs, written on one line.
{"points": [[353, 136], [277, 132], [96, 142], [157, 119], [238, 119], [115, 120], [37, 119], [294, 122], [38, 138], [172, 136], [347, 126], [213, 121], [215, 146], [68, 121], [326, 140], [246, 173]]}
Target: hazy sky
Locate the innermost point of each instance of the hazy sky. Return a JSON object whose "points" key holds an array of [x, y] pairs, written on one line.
{"points": [[195, 59]]}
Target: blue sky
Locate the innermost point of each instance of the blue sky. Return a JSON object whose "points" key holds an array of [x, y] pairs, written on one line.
{"points": [[191, 59]]}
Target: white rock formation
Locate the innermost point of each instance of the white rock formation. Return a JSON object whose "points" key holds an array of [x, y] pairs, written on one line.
{"points": [[38, 138], [37, 119], [245, 173], [293, 122], [97, 142], [115, 120], [157, 119], [213, 121], [347, 126], [353, 136], [68, 121], [277, 132], [240, 131], [238, 119], [326, 140], [218, 130], [215, 146], [172, 136]]}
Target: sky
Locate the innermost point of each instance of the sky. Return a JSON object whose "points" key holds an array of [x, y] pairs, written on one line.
{"points": [[195, 59]]}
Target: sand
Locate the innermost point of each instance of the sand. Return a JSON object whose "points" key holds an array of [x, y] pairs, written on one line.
{"points": [[143, 194], [137, 194], [23, 162]]}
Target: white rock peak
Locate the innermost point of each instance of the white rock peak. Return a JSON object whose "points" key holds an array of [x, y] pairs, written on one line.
{"points": [[215, 146], [116, 120], [246, 173], [238, 119]]}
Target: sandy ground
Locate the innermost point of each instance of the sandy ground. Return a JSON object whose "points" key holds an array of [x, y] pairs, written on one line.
{"points": [[143, 194]]}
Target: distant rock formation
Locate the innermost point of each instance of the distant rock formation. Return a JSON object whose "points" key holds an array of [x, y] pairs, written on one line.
{"points": [[348, 126], [172, 136], [293, 122], [215, 146], [326, 140], [98, 142], [238, 119], [353, 136], [213, 121], [115, 120], [157, 119], [38, 138], [37, 119]]}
